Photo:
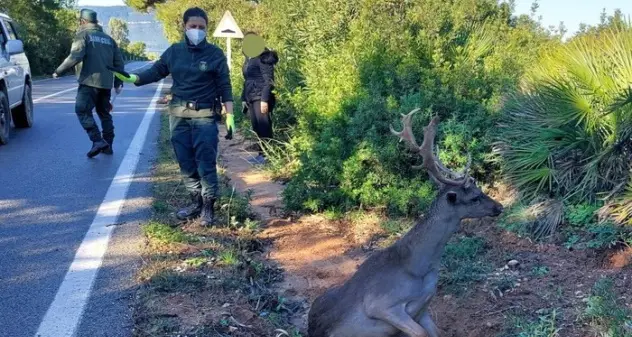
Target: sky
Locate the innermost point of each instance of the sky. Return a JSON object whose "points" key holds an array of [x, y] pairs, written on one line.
{"points": [[101, 3], [571, 12]]}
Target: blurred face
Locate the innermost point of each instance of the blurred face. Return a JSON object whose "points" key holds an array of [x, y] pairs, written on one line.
{"points": [[253, 45], [195, 22]]}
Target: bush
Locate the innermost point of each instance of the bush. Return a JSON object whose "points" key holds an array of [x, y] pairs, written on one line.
{"points": [[567, 135], [361, 71]]}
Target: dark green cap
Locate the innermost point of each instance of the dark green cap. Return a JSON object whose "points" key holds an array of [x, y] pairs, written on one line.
{"points": [[89, 15]]}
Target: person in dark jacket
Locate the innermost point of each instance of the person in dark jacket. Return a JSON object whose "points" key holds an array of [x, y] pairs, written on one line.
{"points": [[201, 84], [93, 52], [257, 96]]}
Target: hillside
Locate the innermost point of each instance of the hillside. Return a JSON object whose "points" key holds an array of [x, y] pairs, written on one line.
{"points": [[142, 27]]}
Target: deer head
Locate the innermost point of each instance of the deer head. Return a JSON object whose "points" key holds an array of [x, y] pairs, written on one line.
{"points": [[457, 191]]}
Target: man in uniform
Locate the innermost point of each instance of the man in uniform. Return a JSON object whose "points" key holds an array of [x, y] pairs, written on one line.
{"points": [[92, 52]]}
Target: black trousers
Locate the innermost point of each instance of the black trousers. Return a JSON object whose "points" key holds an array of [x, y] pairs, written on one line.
{"points": [[261, 123], [89, 98], [195, 142]]}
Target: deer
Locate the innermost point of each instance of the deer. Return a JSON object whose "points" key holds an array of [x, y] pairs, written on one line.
{"points": [[390, 293]]}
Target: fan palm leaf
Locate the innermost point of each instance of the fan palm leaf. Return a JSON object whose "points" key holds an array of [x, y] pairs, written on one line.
{"points": [[568, 134]]}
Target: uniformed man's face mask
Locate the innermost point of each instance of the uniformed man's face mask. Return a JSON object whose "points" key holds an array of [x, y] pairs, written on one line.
{"points": [[196, 35]]}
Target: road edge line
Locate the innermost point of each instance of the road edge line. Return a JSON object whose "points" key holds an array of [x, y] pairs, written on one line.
{"points": [[65, 312]]}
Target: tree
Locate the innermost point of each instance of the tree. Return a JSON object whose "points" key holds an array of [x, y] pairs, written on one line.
{"points": [[119, 32], [137, 48], [46, 28]]}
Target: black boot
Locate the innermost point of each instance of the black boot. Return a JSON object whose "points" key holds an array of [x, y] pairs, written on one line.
{"points": [[97, 147], [192, 210], [108, 150], [208, 213]]}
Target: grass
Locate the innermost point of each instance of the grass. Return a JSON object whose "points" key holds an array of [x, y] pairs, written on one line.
{"points": [[606, 313], [463, 263], [545, 325], [204, 269]]}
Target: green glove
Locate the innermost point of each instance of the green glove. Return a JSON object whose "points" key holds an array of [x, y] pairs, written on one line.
{"points": [[133, 78], [230, 126]]}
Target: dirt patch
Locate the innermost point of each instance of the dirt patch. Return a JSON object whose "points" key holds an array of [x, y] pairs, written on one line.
{"points": [[316, 253]]}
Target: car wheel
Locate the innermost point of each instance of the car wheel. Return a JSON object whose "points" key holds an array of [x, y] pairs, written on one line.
{"points": [[23, 115], [5, 118]]}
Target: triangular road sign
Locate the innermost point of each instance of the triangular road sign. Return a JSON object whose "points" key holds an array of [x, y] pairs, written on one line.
{"points": [[227, 27]]}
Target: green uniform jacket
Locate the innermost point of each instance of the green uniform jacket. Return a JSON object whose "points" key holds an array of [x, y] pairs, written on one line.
{"points": [[92, 52], [200, 74]]}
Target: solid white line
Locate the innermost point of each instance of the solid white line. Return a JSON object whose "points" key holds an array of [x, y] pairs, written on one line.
{"points": [[74, 88], [64, 314], [53, 95]]}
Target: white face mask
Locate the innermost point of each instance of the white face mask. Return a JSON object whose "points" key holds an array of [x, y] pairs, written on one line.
{"points": [[196, 35]]}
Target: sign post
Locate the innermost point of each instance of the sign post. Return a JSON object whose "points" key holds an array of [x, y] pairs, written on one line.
{"points": [[228, 28]]}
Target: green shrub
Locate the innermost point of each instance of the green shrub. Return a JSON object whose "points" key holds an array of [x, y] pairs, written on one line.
{"points": [[567, 134], [580, 215], [359, 72]]}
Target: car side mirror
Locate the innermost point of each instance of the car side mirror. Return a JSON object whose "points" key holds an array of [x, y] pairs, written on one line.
{"points": [[15, 47]]}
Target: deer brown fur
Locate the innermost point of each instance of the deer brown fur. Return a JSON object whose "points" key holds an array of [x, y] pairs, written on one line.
{"points": [[390, 293]]}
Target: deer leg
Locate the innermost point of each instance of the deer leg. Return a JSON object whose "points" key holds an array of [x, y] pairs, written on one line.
{"points": [[427, 323], [399, 318]]}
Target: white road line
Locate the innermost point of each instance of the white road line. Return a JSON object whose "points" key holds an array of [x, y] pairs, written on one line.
{"points": [[64, 314], [74, 88], [53, 95]]}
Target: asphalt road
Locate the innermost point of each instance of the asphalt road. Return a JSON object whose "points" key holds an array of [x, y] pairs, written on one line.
{"points": [[50, 194]]}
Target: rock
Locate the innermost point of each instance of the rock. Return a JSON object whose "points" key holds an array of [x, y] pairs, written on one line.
{"points": [[226, 305], [513, 263], [232, 329]]}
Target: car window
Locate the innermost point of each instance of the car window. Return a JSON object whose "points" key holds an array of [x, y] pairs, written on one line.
{"points": [[3, 38], [15, 29], [11, 31]]}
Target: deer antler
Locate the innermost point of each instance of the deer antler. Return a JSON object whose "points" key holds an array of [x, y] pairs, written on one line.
{"points": [[431, 162]]}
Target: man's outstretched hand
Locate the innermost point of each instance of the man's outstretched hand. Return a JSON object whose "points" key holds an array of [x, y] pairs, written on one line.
{"points": [[124, 76], [230, 126], [132, 78]]}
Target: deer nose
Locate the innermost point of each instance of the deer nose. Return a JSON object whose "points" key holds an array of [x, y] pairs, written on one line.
{"points": [[498, 209]]}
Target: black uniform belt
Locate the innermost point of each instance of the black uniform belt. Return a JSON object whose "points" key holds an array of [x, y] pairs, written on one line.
{"points": [[194, 105]]}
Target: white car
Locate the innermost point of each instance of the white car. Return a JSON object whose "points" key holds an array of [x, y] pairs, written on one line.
{"points": [[16, 102]]}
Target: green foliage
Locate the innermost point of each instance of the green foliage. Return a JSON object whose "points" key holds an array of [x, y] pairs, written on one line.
{"points": [[620, 211], [463, 263], [353, 72], [567, 134], [46, 28], [539, 219], [604, 235], [544, 326], [605, 312], [119, 32], [580, 215], [164, 234], [136, 50], [540, 271]]}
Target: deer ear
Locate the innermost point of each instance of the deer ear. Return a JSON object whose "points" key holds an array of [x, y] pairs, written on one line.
{"points": [[451, 197]]}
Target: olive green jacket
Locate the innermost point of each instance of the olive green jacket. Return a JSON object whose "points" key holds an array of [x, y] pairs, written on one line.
{"points": [[91, 53]]}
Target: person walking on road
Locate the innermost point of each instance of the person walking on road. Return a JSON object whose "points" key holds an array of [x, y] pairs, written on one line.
{"points": [[94, 52], [201, 84], [257, 96]]}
